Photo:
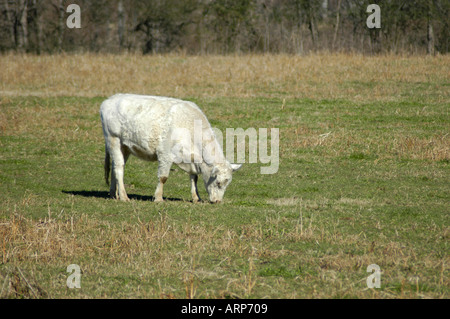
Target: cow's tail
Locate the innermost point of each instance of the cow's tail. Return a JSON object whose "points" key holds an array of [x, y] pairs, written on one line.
{"points": [[107, 165]]}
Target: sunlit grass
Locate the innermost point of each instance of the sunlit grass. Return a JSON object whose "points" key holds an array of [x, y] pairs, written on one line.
{"points": [[363, 179]]}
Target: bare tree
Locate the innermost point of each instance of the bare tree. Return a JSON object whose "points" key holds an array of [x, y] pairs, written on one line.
{"points": [[35, 26], [11, 24], [60, 9], [120, 23], [23, 23], [336, 28], [430, 33]]}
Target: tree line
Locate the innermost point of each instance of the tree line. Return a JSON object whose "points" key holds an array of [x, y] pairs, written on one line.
{"points": [[225, 26]]}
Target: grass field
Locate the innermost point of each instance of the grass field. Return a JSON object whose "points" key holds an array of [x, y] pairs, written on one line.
{"points": [[363, 179]]}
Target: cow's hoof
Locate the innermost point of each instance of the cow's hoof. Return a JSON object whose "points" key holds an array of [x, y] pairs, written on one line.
{"points": [[159, 200]]}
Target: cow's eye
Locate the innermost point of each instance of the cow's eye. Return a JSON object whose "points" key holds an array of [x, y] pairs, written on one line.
{"points": [[219, 184]]}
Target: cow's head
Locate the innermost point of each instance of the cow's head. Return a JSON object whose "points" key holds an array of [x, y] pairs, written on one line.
{"points": [[218, 180]]}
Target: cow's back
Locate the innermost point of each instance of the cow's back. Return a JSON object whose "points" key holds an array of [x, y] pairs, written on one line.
{"points": [[143, 123]]}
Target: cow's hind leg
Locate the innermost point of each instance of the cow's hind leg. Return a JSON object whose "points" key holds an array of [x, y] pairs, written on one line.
{"points": [[194, 190], [119, 155]]}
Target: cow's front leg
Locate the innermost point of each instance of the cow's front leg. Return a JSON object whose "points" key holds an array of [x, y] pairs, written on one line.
{"points": [[163, 174], [159, 190], [194, 190]]}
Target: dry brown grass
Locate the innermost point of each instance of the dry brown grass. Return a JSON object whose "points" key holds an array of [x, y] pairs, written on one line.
{"points": [[384, 146], [15, 284], [436, 148], [322, 76]]}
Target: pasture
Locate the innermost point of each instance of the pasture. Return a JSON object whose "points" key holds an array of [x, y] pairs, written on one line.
{"points": [[363, 179]]}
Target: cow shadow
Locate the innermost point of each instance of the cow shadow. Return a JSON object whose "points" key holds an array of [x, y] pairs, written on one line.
{"points": [[105, 195]]}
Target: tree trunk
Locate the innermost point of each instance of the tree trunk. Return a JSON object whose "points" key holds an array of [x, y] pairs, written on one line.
{"points": [[120, 24], [22, 26], [60, 25], [312, 25], [337, 25], [39, 30], [297, 36], [36, 25], [267, 36], [430, 33], [375, 40], [11, 22], [430, 39], [312, 29]]}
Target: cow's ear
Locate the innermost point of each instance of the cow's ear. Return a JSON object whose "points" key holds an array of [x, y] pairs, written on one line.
{"points": [[236, 167]]}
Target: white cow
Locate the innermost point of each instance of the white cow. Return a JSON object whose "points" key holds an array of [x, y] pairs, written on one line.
{"points": [[149, 127]]}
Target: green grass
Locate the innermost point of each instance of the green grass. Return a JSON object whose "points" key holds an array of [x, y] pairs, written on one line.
{"points": [[358, 184]]}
